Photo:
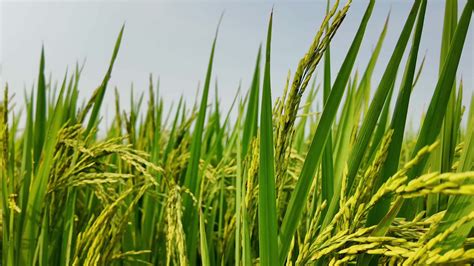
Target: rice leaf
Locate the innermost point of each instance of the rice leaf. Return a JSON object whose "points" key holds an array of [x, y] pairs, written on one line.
{"points": [[192, 178], [40, 119], [251, 121], [294, 211], [267, 218], [398, 121], [96, 101]]}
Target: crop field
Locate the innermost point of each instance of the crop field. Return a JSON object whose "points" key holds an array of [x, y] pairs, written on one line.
{"points": [[329, 173]]}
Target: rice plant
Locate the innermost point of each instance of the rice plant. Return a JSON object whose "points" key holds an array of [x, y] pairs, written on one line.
{"points": [[284, 183]]}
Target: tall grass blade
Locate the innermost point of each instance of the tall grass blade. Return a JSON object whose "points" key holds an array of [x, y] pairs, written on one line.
{"points": [[379, 98], [251, 121], [267, 219], [40, 120], [192, 178], [327, 167], [398, 121], [97, 99], [294, 211]]}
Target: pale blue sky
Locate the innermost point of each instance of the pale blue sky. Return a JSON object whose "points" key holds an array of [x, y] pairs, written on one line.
{"points": [[172, 40]]}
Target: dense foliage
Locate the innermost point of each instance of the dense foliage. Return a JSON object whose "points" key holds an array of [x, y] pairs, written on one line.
{"points": [[283, 183]]}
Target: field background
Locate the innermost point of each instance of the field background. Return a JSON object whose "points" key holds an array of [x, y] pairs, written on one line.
{"points": [[341, 167]]}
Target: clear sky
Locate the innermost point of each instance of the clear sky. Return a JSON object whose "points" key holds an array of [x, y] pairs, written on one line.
{"points": [[172, 40]]}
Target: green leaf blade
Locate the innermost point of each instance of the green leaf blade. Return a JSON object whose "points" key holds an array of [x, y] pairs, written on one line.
{"points": [[267, 218]]}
